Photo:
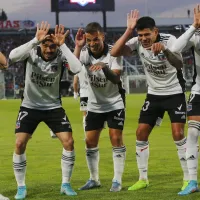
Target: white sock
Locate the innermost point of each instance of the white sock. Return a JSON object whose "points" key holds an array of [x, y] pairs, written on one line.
{"points": [[181, 150], [142, 156], [119, 156], [192, 151], [92, 157], [84, 126], [19, 166], [67, 165]]}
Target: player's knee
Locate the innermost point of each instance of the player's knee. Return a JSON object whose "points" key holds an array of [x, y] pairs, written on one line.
{"points": [[90, 143], [20, 144], [116, 140], [69, 143], [142, 134], [178, 135]]}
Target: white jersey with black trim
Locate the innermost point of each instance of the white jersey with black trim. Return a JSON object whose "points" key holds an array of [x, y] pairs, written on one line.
{"points": [[162, 77], [103, 95], [42, 78], [83, 82], [191, 39]]}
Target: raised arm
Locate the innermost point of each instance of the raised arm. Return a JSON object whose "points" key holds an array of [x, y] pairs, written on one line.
{"points": [[75, 86], [59, 39], [3, 62], [120, 48], [185, 40], [22, 52], [80, 42]]}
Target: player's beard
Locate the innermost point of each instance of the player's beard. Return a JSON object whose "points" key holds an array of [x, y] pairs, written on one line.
{"points": [[94, 49], [49, 56]]}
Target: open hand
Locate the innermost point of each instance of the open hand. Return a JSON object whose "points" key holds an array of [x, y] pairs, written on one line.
{"points": [[80, 38], [132, 19], [42, 30], [60, 35]]}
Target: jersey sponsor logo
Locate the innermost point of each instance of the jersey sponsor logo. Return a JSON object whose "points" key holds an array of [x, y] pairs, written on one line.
{"points": [[42, 81], [155, 70], [65, 118], [121, 123], [119, 118], [183, 117], [179, 113], [119, 113], [98, 82], [179, 108]]}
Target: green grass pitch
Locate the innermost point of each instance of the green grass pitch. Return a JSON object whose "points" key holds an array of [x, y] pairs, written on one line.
{"points": [[43, 159]]}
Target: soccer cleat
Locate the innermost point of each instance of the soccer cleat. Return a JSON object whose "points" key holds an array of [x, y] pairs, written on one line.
{"points": [[185, 184], [139, 185], [90, 185], [116, 187], [190, 188], [21, 193], [3, 198], [67, 189]]}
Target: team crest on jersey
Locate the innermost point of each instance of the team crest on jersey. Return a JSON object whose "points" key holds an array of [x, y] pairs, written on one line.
{"points": [[161, 56], [17, 125], [189, 107], [54, 68]]}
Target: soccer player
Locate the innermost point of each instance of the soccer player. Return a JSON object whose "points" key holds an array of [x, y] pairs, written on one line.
{"points": [[165, 88], [3, 61], [44, 56], [191, 39], [80, 85], [105, 103]]}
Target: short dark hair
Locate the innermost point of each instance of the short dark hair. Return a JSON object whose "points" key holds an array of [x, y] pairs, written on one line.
{"points": [[145, 22], [93, 27], [50, 32]]}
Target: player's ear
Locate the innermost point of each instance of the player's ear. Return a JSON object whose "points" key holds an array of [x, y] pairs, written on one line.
{"points": [[156, 30], [103, 36]]}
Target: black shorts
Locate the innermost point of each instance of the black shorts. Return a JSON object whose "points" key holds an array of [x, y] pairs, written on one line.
{"points": [[155, 107], [115, 119], [28, 120], [193, 106], [83, 103]]}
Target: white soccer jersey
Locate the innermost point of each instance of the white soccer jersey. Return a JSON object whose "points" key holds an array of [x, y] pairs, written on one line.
{"points": [[162, 77], [42, 78], [83, 82], [183, 43], [103, 95]]}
